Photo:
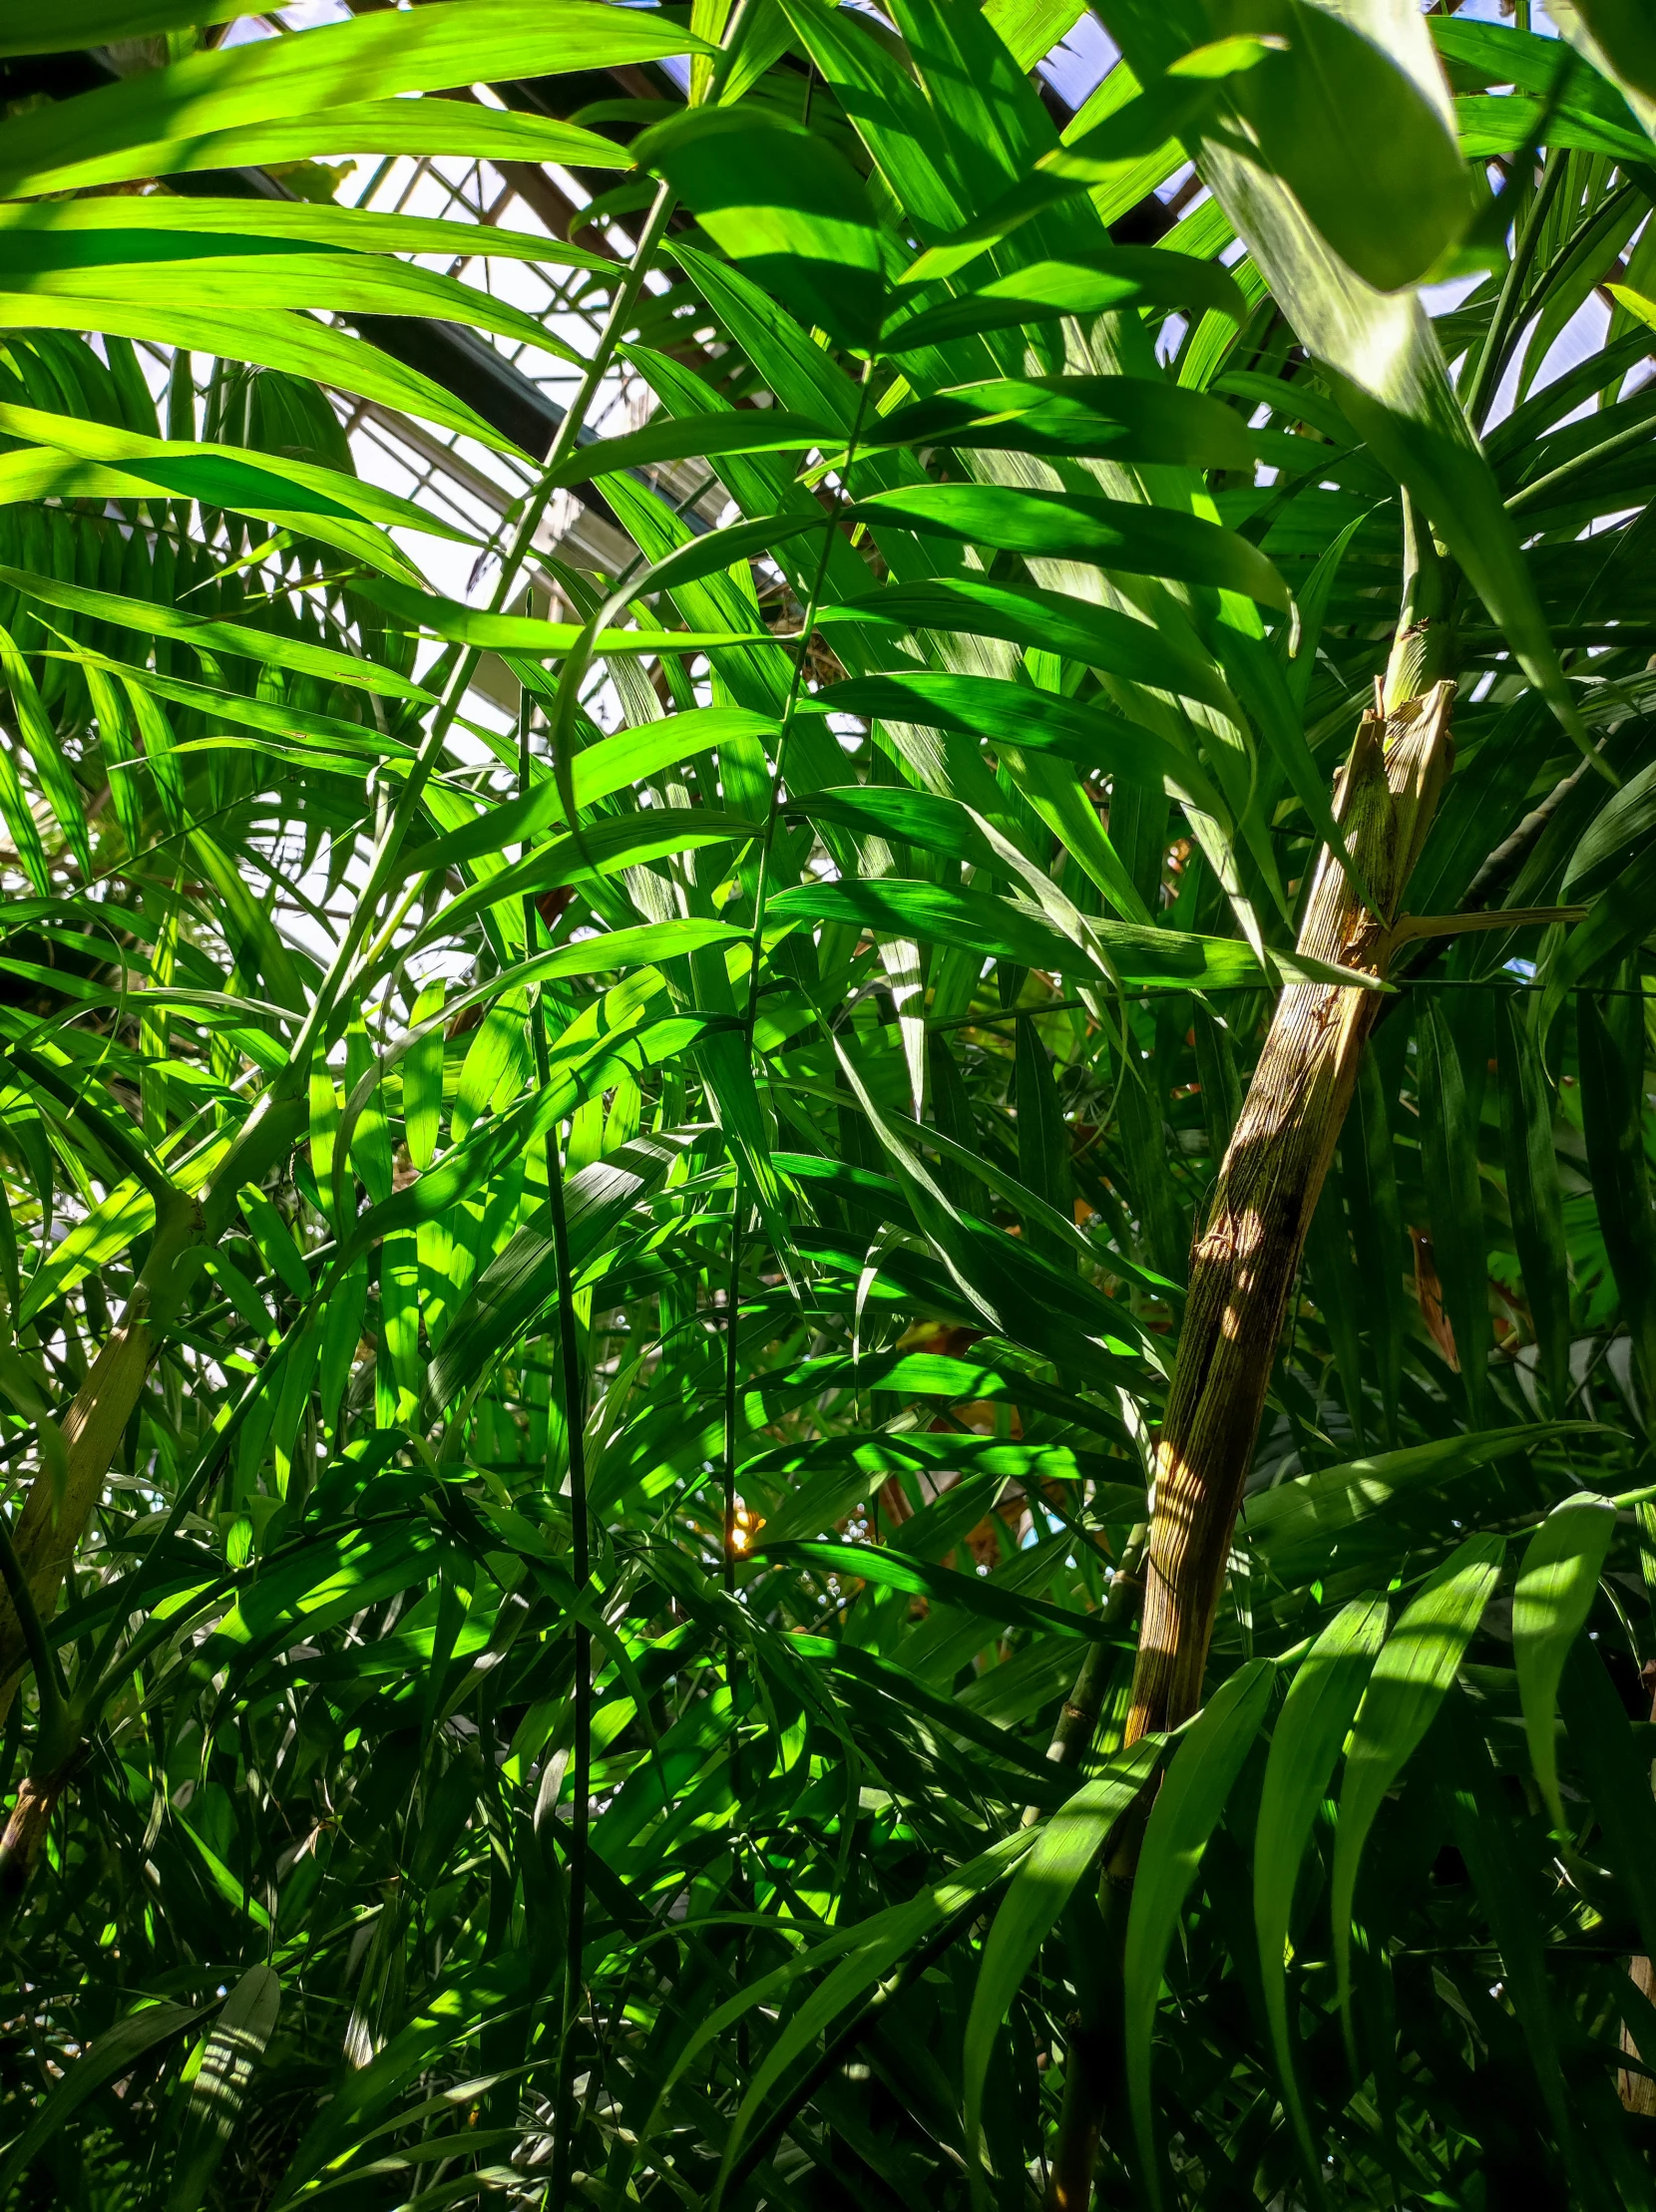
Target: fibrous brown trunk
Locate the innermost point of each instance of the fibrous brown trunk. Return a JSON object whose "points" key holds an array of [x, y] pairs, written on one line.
{"points": [[25, 1834], [1245, 1260]]}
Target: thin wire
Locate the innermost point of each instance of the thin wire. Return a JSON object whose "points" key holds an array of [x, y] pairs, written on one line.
{"points": [[1214, 990]]}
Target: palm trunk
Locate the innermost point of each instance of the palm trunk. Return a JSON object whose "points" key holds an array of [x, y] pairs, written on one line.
{"points": [[60, 1501], [61, 1498], [1246, 1258], [25, 1836]]}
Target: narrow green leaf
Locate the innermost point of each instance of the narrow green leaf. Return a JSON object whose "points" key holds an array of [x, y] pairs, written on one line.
{"points": [[897, 813], [129, 129], [275, 1242], [1616, 1772], [1105, 639], [1557, 1582], [219, 2094], [609, 766], [225, 476], [101, 234], [1042, 1138], [1337, 1288], [971, 1592], [33, 726], [1097, 740], [1448, 1153], [422, 127], [1492, 1844], [894, 908], [1187, 1809], [1534, 1196], [1124, 418], [701, 438], [786, 208], [1618, 832], [1087, 285], [114, 2054], [602, 849], [212, 284], [979, 921], [1073, 525], [1410, 1678], [427, 615], [19, 819], [1300, 1524], [1065, 1849], [881, 1943], [267, 337], [1612, 1105], [422, 1077], [1305, 1745], [1368, 1173], [266, 646], [95, 21]]}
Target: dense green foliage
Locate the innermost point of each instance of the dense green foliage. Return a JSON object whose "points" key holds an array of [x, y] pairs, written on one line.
{"points": [[802, 1053]]}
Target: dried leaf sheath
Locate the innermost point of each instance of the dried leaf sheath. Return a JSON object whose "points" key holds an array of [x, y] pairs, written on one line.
{"points": [[1245, 1259]]}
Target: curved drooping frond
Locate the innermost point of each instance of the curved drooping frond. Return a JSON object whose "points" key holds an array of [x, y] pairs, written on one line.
{"points": [[591, 1308]]}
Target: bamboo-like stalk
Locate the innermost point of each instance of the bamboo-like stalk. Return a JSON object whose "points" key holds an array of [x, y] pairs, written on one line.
{"points": [[1246, 1256], [55, 1514]]}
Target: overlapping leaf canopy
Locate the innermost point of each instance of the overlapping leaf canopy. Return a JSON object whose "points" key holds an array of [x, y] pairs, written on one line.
{"points": [[817, 1028]]}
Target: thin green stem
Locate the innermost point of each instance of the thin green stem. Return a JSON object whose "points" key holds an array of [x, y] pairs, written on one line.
{"points": [[1544, 487], [574, 1416], [755, 954], [732, 1297], [807, 630], [732, 1309], [335, 990]]}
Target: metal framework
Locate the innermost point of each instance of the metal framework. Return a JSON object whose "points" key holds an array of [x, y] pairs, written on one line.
{"points": [[518, 388]]}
